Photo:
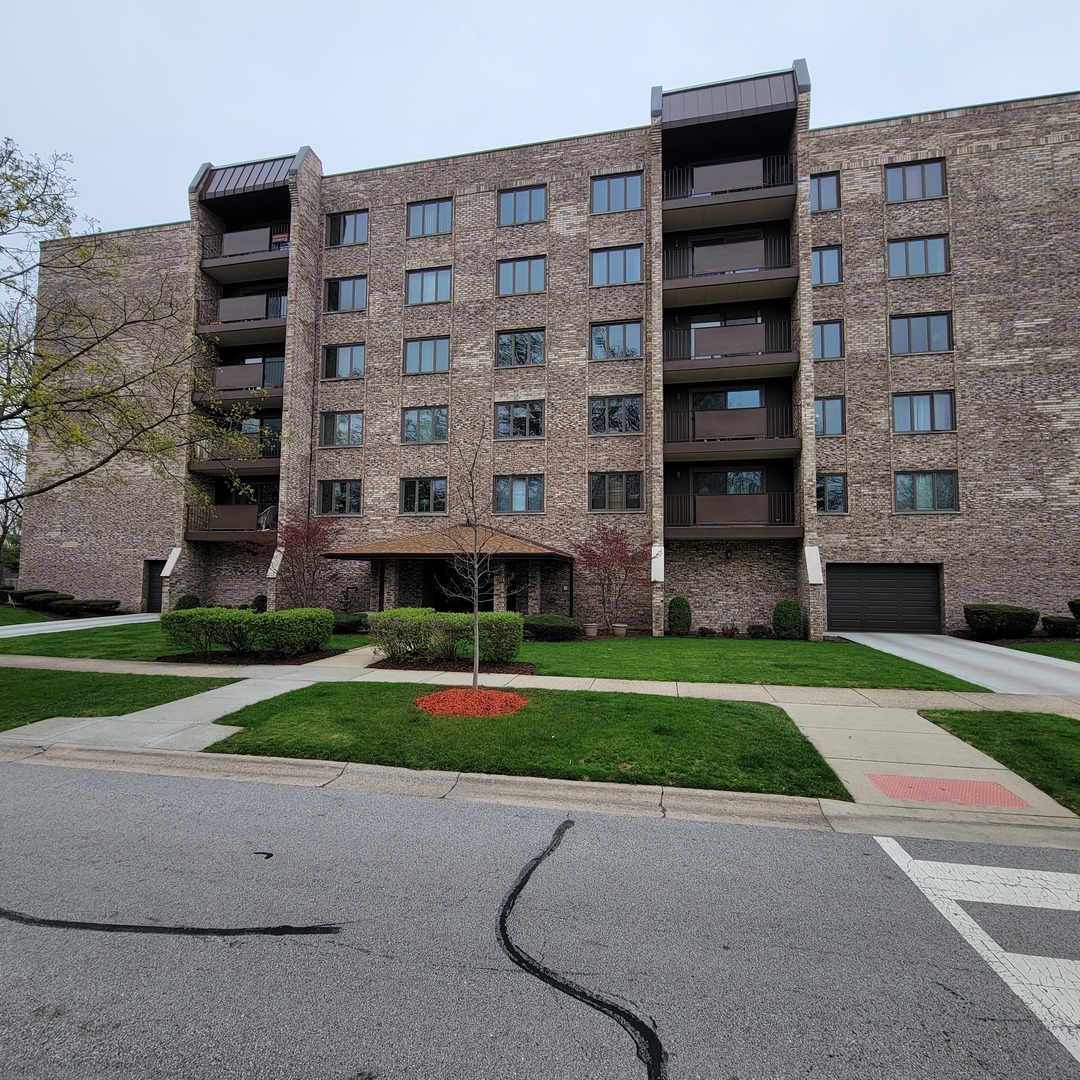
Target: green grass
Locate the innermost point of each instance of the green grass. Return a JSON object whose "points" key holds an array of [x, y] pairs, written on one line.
{"points": [[135, 641], [30, 696], [1042, 747], [1061, 649], [13, 616], [784, 663], [628, 738]]}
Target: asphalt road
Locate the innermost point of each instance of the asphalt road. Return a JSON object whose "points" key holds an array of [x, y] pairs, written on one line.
{"points": [[391, 937]]}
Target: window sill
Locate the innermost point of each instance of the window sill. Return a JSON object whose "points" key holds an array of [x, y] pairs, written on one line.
{"points": [[629, 510], [614, 284], [935, 431], [333, 515], [608, 359], [341, 446], [825, 284], [518, 438], [345, 311], [426, 303], [826, 359], [421, 513], [509, 295], [516, 513], [833, 513], [937, 352], [335, 247], [624, 210], [919, 277], [429, 442], [908, 202], [925, 513], [517, 367], [430, 235], [827, 210], [615, 434], [341, 378], [412, 374]]}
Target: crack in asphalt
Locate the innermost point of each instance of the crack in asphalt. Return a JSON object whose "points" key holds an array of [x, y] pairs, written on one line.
{"points": [[284, 930], [650, 1050]]}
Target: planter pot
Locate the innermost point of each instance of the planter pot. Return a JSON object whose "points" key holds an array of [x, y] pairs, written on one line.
{"points": [[589, 629], [618, 629]]}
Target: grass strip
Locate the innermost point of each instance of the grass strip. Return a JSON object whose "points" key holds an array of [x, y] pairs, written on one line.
{"points": [[1060, 650]]}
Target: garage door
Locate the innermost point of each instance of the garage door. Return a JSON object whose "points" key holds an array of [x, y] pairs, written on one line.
{"points": [[884, 596]]}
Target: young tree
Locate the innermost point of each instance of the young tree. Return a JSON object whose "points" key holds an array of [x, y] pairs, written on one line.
{"points": [[616, 563], [305, 577]]}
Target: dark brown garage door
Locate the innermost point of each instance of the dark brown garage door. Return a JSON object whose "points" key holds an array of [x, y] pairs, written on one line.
{"points": [[884, 596]]}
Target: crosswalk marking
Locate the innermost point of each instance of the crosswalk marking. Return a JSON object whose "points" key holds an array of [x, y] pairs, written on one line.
{"points": [[1048, 986]]}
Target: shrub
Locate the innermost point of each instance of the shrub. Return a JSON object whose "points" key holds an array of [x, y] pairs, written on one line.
{"points": [[991, 622], [679, 616], [729, 631], [552, 627], [187, 602], [190, 630], [787, 621], [1074, 607], [1060, 626], [296, 630], [706, 631], [41, 601], [20, 595], [351, 623], [399, 632], [759, 630], [442, 632], [239, 631], [98, 607], [66, 607], [258, 604], [501, 634]]}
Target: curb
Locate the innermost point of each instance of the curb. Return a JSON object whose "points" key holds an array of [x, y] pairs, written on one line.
{"points": [[685, 804]]}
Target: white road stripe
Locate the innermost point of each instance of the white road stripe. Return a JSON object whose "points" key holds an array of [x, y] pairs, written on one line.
{"points": [[1049, 987]]}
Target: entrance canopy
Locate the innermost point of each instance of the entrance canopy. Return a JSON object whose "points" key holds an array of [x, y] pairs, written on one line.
{"points": [[448, 543]]}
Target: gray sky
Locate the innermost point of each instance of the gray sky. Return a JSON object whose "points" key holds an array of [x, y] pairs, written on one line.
{"points": [[141, 92]]}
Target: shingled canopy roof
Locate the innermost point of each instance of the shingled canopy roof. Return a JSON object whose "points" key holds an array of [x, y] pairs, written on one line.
{"points": [[446, 543]]}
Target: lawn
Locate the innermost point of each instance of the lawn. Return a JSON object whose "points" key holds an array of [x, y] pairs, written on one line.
{"points": [[30, 696], [13, 616], [133, 641], [1042, 747], [628, 738], [784, 663], [1061, 650]]}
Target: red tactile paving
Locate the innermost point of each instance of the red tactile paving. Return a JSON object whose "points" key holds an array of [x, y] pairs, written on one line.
{"points": [[934, 789]]}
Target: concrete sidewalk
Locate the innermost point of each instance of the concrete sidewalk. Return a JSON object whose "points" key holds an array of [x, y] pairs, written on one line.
{"points": [[58, 626]]}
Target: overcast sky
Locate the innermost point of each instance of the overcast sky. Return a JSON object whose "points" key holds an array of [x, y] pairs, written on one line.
{"points": [[141, 92]]}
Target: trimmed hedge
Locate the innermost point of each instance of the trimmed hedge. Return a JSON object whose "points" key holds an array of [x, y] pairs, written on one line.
{"points": [[759, 630], [991, 622], [42, 601], [787, 621], [501, 634], [1074, 607], [20, 595], [294, 631], [399, 632], [679, 616], [425, 634], [1060, 626], [191, 629], [287, 633], [83, 607], [355, 622], [552, 627], [187, 602]]}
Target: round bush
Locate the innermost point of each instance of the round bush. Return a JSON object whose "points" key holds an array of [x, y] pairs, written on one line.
{"points": [[679, 616], [355, 622], [552, 627], [258, 605], [992, 622], [787, 622], [1060, 626], [187, 602]]}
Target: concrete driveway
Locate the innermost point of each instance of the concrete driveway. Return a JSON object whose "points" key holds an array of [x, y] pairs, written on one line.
{"points": [[27, 629], [1005, 671]]}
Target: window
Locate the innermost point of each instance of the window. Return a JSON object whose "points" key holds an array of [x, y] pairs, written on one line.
{"points": [[424, 355], [918, 258], [825, 266], [925, 492], [714, 400], [613, 193], [339, 496], [519, 494], [832, 493], [343, 362], [346, 294], [828, 340], [730, 482], [615, 341], [921, 180], [344, 229], [824, 192], [920, 333], [342, 429], [522, 206], [425, 425], [521, 276], [615, 491], [519, 348], [923, 412], [519, 420], [615, 415], [829, 416], [428, 286], [430, 218], [616, 266], [423, 495]]}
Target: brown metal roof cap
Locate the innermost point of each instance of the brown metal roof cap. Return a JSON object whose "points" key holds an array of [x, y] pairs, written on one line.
{"points": [[445, 543]]}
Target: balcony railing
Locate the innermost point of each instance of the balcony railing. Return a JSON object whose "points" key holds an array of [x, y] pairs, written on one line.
{"points": [[714, 342], [244, 448], [777, 508], [231, 518], [746, 174], [237, 309], [709, 259], [246, 242], [719, 425], [269, 375]]}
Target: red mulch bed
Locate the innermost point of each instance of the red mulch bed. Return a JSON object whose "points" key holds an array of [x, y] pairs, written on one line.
{"points": [[464, 701], [514, 668], [230, 660]]}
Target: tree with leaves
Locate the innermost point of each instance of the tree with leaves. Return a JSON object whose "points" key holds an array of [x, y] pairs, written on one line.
{"points": [[615, 563]]}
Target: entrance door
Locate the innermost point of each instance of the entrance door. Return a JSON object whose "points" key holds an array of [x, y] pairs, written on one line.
{"points": [[153, 583], [443, 590]]}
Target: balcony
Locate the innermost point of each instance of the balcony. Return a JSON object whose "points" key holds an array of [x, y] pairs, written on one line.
{"points": [[710, 271], [247, 455], [237, 382], [772, 516], [726, 434], [743, 351], [248, 255], [245, 320], [230, 523], [729, 193]]}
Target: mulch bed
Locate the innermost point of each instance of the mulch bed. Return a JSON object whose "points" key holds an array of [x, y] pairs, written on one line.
{"points": [[464, 701], [228, 659], [514, 668]]}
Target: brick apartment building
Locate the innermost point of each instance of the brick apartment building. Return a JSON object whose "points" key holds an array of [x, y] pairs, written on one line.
{"points": [[840, 365]]}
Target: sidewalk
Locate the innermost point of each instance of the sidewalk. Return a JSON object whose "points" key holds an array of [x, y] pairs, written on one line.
{"points": [[905, 774]]}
